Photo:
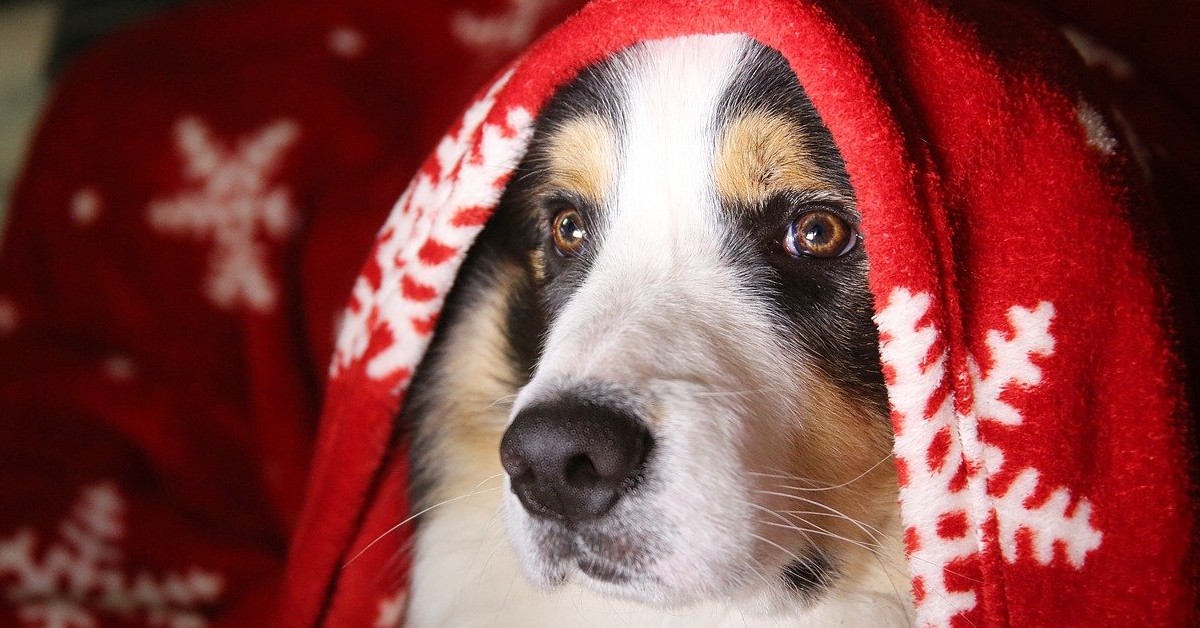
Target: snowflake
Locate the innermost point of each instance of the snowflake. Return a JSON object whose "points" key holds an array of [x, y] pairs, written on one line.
{"points": [[232, 202], [507, 32], [391, 610], [947, 469], [85, 206], [1097, 55], [81, 575], [1099, 136], [346, 42], [10, 316], [398, 296]]}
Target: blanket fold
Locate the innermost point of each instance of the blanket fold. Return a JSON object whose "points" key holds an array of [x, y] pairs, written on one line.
{"points": [[1028, 347]]}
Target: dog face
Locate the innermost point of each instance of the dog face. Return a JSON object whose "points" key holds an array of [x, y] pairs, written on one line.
{"points": [[676, 309]]}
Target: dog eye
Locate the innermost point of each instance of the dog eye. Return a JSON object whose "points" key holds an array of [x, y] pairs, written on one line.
{"points": [[819, 233], [568, 231]]}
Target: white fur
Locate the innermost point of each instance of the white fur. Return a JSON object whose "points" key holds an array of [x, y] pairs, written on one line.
{"points": [[466, 576]]}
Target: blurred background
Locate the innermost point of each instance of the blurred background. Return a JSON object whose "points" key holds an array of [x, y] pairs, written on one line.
{"points": [[36, 38], [26, 37]]}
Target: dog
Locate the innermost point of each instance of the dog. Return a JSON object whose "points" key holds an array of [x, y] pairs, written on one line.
{"points": [[655, 395]]}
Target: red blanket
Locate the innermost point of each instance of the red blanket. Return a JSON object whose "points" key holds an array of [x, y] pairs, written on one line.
{"points": [[195, 208], [205, 189], [1035, 392]]}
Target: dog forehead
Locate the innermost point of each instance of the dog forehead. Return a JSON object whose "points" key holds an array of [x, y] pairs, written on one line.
{"points": [[684, 132], [669, 130]]}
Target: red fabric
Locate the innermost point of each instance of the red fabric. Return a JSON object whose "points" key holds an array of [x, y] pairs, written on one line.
{"points": [[172, 430], [1012, 244], [157, 427]]}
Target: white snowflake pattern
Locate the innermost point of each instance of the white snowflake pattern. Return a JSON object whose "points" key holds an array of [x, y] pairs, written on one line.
{"points": [[81, 577], [424, 235], [10, 316], [85, 206], [1099, 136], [346, 42], [918, 372], [391, 610], [1048, 525], [506, 32], [232, 202], [947, 467], [119, 368]]}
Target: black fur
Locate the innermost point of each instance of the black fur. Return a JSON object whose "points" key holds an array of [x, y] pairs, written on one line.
{"points": [[824, 305], [809, 575]]}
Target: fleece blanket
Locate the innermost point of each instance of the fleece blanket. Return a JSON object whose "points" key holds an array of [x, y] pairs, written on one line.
{"points": [[205, 188], [193, 212], [1030, 356]]}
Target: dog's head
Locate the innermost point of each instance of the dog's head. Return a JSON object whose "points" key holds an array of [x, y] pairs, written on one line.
{"points": [[706, 415]]}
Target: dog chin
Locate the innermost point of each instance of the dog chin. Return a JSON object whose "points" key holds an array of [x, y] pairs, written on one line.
{"points": [[607, 558]]}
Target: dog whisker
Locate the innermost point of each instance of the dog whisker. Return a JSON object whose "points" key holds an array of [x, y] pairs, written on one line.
{"points": [[794, 555], [474, 491], [870, 547], [871, 532], [772, 513], [728, 393], [825, 487], [486, 536], [875, 547], [874, 532], [505, 400], [876, 544]]}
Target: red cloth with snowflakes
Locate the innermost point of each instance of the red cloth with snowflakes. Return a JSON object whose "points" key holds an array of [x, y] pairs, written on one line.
{"points": [[205, 188], [197, 203], [1027, 342]]}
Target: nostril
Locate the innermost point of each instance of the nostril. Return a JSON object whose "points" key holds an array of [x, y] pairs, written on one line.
{"points": [[637, 464], [581, 472]]}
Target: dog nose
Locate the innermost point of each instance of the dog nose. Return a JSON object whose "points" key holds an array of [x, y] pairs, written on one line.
{"points": [[571, 459]]}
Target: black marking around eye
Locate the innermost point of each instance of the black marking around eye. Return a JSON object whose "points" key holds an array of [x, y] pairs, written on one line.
{"points": [[597, 92], [809, 575], [823, 307]]}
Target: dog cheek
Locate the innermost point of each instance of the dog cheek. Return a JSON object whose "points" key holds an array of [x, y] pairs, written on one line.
{"points": [[702, 506]]}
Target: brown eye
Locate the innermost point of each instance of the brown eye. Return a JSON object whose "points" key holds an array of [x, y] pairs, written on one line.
{"points": [[568, 231], [819, 233]]}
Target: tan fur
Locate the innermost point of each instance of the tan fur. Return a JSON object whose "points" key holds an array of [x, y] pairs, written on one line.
{"points": [[479, 379], [760, 154], [843, 443], [581, 157], [537, 265]]}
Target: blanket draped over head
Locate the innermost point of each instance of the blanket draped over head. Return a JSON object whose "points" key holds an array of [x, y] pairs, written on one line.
{"points": [[1035, 392], [200, 195]]}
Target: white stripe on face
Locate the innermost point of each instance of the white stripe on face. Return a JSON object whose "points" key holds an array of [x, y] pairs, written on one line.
{"points": [[667, 317], [663, 315], [662, 236]]}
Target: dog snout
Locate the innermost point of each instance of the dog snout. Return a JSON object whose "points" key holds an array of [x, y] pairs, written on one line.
{"points": [[573, 460]]}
